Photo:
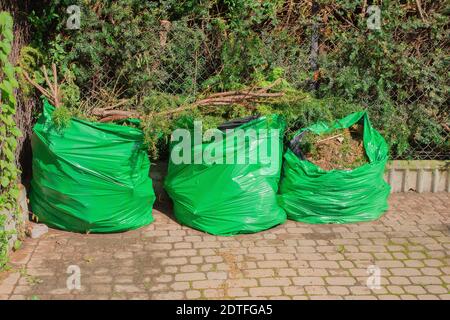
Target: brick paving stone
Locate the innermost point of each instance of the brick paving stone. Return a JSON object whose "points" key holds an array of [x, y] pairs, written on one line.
{"points": [[188, 268], [180, 286], [127, 288], [190, 276], [326, 297], [424, 280], [324, 264], [217, 275], [304, 281], [287, 272], [358, 272], [345, 264], [272, 264], [427, 297], [206, 284], [265, 291], [237, 292], [193, 294], [408, 297], [436, 289], [399, 280], [214, 293], [275, 282], [408, 272], [340, 281], [6, 289], [415, 289], [414, 263], [338, 290], [410, 245], [433, 262], [316, 290], [294, 290], [390, 264]]}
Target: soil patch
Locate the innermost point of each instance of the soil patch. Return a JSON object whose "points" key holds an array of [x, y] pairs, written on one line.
{"points": [[340, 149]]}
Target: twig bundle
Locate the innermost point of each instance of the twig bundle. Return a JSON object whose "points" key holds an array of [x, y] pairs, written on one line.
{"points": [[227, 98], [53, 93]]}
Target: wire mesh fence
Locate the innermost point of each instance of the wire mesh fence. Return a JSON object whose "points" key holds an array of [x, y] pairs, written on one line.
{"points": [[191, 70], [404, 43]]}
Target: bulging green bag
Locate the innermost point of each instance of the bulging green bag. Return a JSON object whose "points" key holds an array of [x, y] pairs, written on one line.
{"points": [[90, 177], [313, 195], [228, 199]]}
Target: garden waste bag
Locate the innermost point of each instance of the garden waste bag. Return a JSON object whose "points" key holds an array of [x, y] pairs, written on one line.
{"points": [[313, 195], [90, 177], [237, 193]]}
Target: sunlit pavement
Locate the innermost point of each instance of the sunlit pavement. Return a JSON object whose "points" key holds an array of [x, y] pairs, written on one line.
{"points": [[404, 255]]}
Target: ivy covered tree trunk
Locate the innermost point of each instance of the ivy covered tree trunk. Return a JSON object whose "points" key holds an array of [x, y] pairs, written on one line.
{"points": [[20, 10], [9, 133]]}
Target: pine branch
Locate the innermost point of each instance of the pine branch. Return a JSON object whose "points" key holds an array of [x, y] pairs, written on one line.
{"points": [[227, 98]]}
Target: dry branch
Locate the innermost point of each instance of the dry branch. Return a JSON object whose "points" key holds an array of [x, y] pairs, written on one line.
{"points": [[107, 113], [55, 84], [421, 12], [114, 118], [237, 97], [36, 85], [329, 138], [53, 94], [363, 9]]}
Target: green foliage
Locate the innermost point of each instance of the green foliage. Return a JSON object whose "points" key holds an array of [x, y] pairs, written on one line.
{"points": [[30, 60], [8, 133], [3, 243], [301, 109], [398, 73], [210, 45], [61, 117], [17, 245]]}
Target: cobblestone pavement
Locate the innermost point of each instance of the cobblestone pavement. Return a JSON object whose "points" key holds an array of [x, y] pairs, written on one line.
{"points": [[410, 245]]}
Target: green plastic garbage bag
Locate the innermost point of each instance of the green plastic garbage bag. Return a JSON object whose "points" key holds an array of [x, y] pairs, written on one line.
{"points": [[90, 177], [313, 195], [230, 198]]}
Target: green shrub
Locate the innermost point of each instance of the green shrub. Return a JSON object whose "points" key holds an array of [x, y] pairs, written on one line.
{"points": [[397, 73]]}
